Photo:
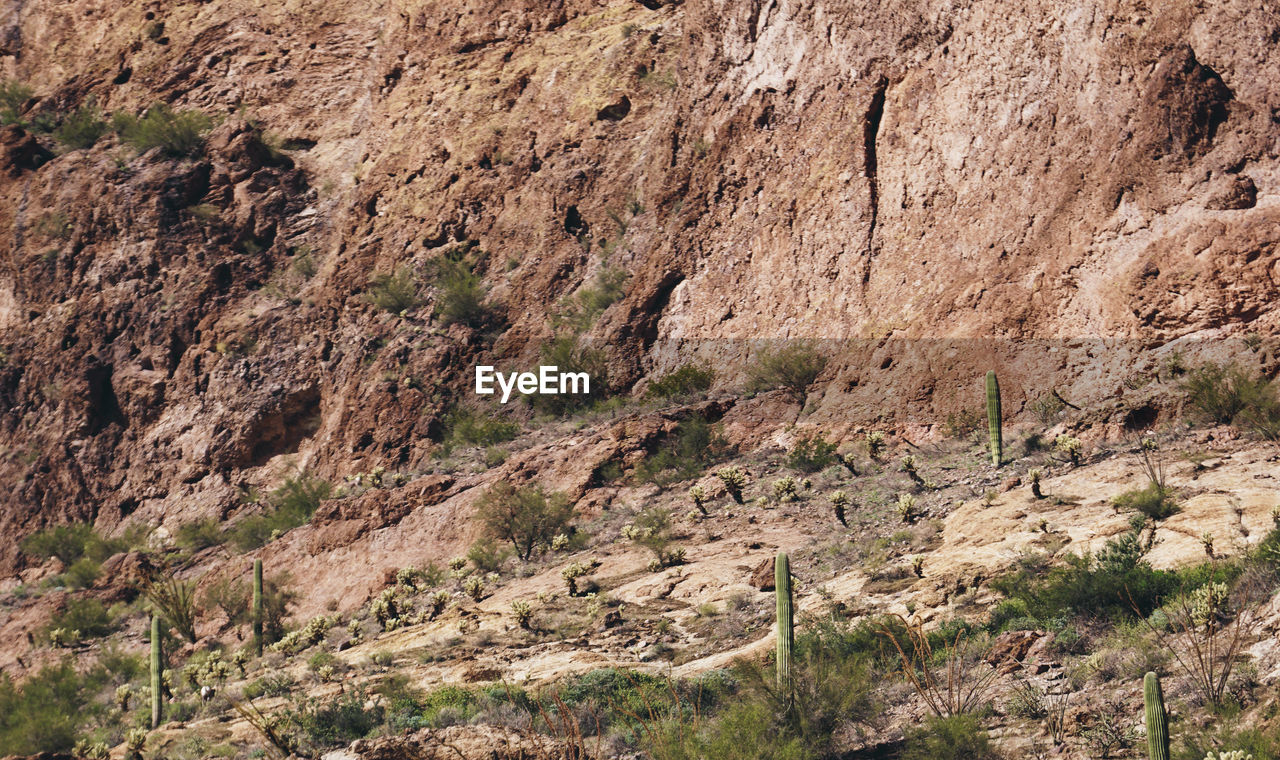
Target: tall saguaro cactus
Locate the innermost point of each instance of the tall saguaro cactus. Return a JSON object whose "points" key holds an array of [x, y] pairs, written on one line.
{"points": [[156, 666], [993, 418], [1157, 718], [257, 606], [786, 630]]}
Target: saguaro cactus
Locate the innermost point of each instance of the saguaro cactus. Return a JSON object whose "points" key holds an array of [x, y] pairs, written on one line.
{"points": [[993, 418], [1157, 718], [786, 630], [155, 671], [257, 606]]}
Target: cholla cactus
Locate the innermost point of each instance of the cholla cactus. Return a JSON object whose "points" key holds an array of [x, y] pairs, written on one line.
{"points": [[123, 694], [784, 489], [439, 600], [875, 444], [326, 673], [134, 741], [840, 500], [1235, 754], [699, 496], [1206, 540], [577, 570], [91, 751], [59, 637], [384, 607], [734, 480], [309, 635], [457, 563], [375, 477], [241, 660], [560, 542], [523, 613], [474, 587], [917, 566], [1069, 446], [806, 484], [354, 629], [1207, 602], [1275, 515], [909, 467], [907, 508], [1035, 476]]}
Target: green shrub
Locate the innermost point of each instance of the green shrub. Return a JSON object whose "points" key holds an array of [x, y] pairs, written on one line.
{"points": [[199, 534], [527, 517], [471, 427], [396, 292], [231, 596], [82, 573], [487, 556], [580, 310], [687, 380], [46, 712], [82, 128], [793, 367], [567, 354], [1154, 501], [176, 133], [275, 684], [288, 506], [811, 454], [71, 542], [460, 290], [13, 96], [959, 737], [686, 453], [1229, 395], [88, 616]]}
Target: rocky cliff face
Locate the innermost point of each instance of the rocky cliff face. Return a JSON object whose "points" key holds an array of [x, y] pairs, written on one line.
{"points": [[930, 188]]}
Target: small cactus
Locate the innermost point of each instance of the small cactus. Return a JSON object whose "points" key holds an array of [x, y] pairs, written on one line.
{"points": [[354, 629], [909, 467], [523, 613], [784, 489], [907, 508], [734, 480], [474, 587], [123, 694], [1235, 754], [439, 600], [1157, 718], [560, 542], [241, 660], [839, 501], [875, 444], [917, 566], [1069, 446], [1206, 540], [699, 496], [91, 750], [1035, 476], [134, 741]]}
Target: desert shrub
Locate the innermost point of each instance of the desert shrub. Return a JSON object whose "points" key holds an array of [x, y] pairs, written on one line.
{"points": [[685, 453], [1114, 584], [1229, 395], [527, 517], [82, 128], [338, 720], [959, 737], [13, 95], [177, 133], [652, 529], [460, 291], [471, 427], [288, 506], [275, 684], [232, 597], [71, 542], [964, 423], [396, 292], [82, 573], [1154, 501], [811, 454], [88, 616], [569, 354], [199, 534], [46, 711], [175, 601], [688, 379], [579, 311], [487, 555], [793, 367]]}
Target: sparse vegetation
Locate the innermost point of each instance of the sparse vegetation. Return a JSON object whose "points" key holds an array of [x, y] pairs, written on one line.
{"points": [[177, 133], [812, 454], [686, 380], [82, 127], [13, 96], [396, 292], [460, 291], [792, 366], [288, 506], [1229, 395], [527, 517]]}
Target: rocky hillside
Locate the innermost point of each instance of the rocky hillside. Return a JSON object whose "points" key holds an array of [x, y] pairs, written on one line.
{"points": [[252, 256]]}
